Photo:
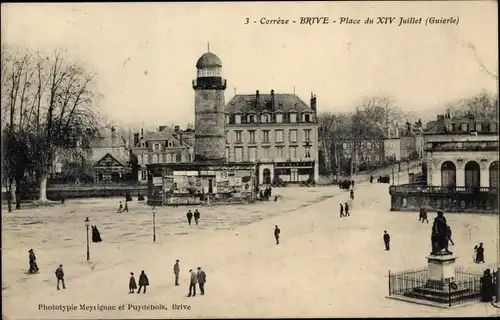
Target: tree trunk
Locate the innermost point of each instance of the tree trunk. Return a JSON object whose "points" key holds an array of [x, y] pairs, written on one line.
{"points": [[17, 193], [10, 196], [43, 188]]}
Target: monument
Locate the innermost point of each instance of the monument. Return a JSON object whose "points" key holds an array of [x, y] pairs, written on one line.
{"points": [[437, 285]]}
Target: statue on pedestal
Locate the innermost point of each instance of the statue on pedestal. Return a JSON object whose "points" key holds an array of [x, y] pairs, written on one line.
{"points": [[439, 236]]}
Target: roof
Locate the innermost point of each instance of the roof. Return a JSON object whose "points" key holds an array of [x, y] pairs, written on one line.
{"points": [[166, 134], [208, 60], [282, 101], [105, 139], [454, 125], [121, 155]]}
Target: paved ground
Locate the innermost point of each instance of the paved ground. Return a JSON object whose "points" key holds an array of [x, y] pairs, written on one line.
{"points": [[324, 267]]}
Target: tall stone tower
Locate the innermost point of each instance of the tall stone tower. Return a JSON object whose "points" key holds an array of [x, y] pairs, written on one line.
{"points": [[209, 104]]}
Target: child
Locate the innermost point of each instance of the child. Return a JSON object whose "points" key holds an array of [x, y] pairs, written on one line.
{"points": [[120, 208], [132, 285]]}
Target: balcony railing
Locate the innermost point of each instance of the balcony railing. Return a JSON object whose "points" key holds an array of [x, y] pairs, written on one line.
{"points": [[409, 189]]}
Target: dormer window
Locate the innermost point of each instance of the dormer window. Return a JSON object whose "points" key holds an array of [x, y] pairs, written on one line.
{"points": [[464, 127], [264, 118], [237, 119], [307, 117], [279, 117], [251, 118], [293, 117], [227, 119], [479, 127], [156, 146], [143, 144]]}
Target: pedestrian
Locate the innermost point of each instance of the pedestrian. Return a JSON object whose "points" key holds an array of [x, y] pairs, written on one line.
{"points": [[480, 253], [62, 197], [143, 282], [202, 279], [371, 179], [346, 209], [196, 216], [32, 261], [277, 232], [126, 206], [448, 231], [132, 285], [423, 215], [474, 254], [387, 241], [176, 272], [120, 208], [486, 288], [60, 276], [192, 283], [352, 183], [341, 210], [189, 216]]}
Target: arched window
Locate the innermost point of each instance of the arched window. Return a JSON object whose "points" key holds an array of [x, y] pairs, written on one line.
{"points": [[472, 175], [448, 174], [494, 172]]}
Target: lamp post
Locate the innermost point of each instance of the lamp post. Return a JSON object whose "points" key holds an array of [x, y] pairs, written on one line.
{"points": [[87, 224], [154, 222]]}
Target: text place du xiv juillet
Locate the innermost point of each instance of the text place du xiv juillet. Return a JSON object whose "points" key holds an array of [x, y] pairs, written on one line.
{"points": [[346, 20]]}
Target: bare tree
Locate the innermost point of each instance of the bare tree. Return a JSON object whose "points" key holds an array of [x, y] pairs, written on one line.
{"points": [[66, 114], [482, 105]]}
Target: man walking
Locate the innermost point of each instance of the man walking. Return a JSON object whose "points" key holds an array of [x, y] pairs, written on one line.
{"points": [[60, 276], [277, 232], [189, 216], [202, 278], [346, 208], [176, 272], [196, 216], [143, 282], [192, 283], [32, 259], [341, 210], [387, 240]]}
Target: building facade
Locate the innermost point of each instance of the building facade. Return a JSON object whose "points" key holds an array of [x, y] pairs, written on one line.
{"points": [[166, 145], [392, 143], [460, 169], [278, 132], [462, 153]]}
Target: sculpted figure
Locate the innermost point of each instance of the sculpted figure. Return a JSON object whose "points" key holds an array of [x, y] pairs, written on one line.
{"points": [[439, 237]]}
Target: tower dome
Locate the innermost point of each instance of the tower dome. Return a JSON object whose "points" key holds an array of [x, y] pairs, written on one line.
{"points": [[208, 60]]}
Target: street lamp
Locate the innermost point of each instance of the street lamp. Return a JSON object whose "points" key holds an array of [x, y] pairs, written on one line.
{"points": [[154, 222], [87, 224]]}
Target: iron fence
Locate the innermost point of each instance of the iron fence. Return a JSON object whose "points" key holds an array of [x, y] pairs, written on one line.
{"points": [[415, 285]]}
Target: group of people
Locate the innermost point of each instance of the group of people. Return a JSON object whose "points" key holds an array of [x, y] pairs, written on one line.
{"points": [[143, 282], [96, 235], [344, 210], [121, 208], [190, 216], [346, 184], [384, 179], [488, 286], [265, 195], [196, 277]]}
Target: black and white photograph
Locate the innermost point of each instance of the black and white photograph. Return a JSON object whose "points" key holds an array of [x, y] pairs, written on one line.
{"points": [[266, 159]]}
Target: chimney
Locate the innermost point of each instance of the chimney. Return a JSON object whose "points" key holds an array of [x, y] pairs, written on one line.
{"points": [[257, 99], [313, 102], [142, 133], [113, 136], [136, 138], [177, 129], [272, 99]]}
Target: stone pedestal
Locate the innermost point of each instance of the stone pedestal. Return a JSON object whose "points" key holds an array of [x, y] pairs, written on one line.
{"points": [[441, 270]]}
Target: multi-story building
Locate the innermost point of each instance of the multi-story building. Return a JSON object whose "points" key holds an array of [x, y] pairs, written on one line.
{"points": [[166, 145], [412, 142], [392, 143], [279, 132], [461, 168], [110, 156]]}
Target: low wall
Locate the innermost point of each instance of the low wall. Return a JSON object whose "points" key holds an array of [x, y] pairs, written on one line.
{"points": [[413, 197], [54, 192]]}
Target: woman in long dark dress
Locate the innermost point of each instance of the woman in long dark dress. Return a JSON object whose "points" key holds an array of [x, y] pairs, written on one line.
{"points": [[480, 253]]}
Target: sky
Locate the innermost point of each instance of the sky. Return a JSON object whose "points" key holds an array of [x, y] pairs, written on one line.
{"points": [[145, 53]]}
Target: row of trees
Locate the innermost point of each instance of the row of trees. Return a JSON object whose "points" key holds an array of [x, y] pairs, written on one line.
{"points": [[367, 122], [370, 119], [49, 109]]}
